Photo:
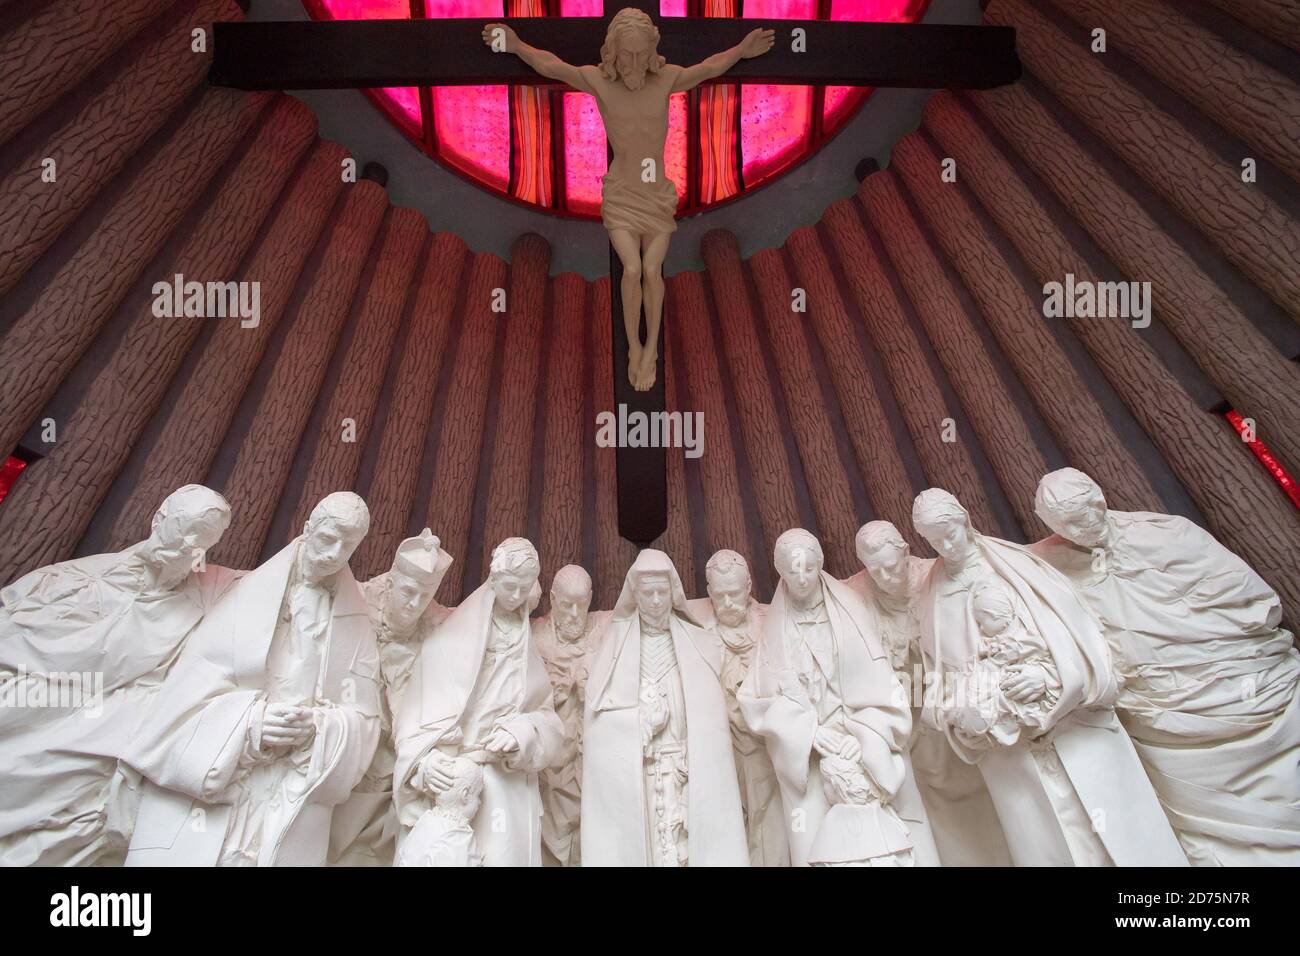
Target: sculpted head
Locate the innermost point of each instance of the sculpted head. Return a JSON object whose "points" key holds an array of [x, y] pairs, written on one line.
{"points": [[190, 521], [631, 48], [465, 794], [332, 532], [992, 606], [942, 521], [798, 559], [412, 580], [728, 580], [514, 572], [654, 597], [1072, 505], [884, 554], [570, 601]]}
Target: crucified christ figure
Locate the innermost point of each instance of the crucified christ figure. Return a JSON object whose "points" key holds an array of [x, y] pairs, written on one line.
{"points": [[632, 85]]}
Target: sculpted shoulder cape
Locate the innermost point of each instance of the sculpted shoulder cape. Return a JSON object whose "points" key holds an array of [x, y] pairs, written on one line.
{"points": [[92, 617], [614, 828], [1094, 751], [188, 743], [1210, 682]]}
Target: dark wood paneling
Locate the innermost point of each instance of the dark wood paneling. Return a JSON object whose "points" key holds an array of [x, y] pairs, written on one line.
{"points": [[198, 418]]}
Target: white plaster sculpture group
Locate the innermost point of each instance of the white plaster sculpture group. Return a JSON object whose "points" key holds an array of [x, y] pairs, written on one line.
{"points": [[1120, 693]]}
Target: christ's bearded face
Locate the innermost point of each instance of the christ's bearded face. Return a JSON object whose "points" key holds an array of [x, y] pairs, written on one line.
{"points": [[635, 50], [729, 592], [654, 598], [569, 603]]}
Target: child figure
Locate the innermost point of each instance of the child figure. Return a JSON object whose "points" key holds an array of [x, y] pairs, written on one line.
{"points": [[1011, 685], [443, 835], [858, 829]]}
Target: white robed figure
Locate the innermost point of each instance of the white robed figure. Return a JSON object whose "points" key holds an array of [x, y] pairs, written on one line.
{"points": [[84, 645], [836, 721], [479, 690], [965, 825], [271, 714], [731, 612], [1065, 780], [401, 609], [658, 778], [1208, 678]]}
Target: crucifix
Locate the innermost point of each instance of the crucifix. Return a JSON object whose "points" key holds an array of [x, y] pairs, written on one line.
{"points": [[638, 71]]}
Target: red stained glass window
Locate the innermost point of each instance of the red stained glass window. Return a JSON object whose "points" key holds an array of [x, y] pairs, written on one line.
{"points": [[546, 147], [9, 472]]}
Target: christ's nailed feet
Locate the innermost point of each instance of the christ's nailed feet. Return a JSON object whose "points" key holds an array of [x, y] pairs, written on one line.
{"points": [[645, 375]]}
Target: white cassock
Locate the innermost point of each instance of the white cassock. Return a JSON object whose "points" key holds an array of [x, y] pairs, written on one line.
{"points": [[760, 795], [475, 673], [826, 667], [964, 823], [66, 801], [677, 804], [567, 665], [1076, 794], [364, 829], [1208, 683], [273, 638]]}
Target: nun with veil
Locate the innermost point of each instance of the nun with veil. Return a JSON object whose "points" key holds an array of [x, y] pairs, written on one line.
{"points": [[658, 776], [836, 721], [1064, 776]]}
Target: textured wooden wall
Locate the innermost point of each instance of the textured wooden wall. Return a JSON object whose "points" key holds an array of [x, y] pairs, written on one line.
{"points": [[921, 314]]}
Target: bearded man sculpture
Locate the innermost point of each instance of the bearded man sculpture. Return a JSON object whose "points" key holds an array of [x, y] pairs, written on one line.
{"points": [[632, 86]]}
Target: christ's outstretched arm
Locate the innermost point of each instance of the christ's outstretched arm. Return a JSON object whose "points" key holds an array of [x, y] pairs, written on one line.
{"points": [[755, 44], [502, 39]]}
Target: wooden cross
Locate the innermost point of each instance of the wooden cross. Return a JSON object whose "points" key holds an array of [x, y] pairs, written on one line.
{"points": [[349, 54]]}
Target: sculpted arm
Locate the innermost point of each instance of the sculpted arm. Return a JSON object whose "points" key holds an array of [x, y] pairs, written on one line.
{"points": [[755, 44], [544, 62]]}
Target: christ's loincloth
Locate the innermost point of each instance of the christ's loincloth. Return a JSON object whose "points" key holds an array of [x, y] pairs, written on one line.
{"points": [[644, 209]]}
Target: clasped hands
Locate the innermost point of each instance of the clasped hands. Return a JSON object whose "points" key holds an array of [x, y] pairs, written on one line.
{"points": [[654, 718], [287, 727], [832, 743]]}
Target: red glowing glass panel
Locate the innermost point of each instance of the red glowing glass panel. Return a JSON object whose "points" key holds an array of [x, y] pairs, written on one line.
{"points": [[675, 146], [1266, 458], [775, 127], [9, 472], [504, 139], [585, 158]]}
